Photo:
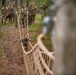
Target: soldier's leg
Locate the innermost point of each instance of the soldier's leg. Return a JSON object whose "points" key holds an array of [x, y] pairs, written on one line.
{"points": [[5, 20], [30, 20], [2, 20], [23, 22], [13, 17], [33, 18], [10, 18]]}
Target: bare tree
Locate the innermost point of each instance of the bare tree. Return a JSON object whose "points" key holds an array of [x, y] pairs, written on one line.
{"points": [[21, 2], [16, 12], [3, 2]]}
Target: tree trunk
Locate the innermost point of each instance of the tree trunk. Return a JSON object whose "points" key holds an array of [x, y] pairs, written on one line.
{"points": [[65, 39], [21, 3], [16, 13], [3, 2]]}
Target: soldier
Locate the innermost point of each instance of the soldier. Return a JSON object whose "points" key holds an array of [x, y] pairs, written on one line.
{"points": [[10, 6], [23, 16], [32, 13], [4, 11], [43, 8], [13, 8], [11, 13]]}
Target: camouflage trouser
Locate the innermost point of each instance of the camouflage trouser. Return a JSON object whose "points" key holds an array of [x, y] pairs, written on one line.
{"points": [[30, 20], [23, 22], [13, 17], [3, 19], [33, 18]]}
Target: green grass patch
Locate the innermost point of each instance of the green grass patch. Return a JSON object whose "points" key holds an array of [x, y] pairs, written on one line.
{"points": [[36, 29], [38, 17], [47, 42], [8, 24]]}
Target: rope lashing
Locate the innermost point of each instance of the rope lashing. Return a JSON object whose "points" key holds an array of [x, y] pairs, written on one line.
{"points": [[36, 56]]}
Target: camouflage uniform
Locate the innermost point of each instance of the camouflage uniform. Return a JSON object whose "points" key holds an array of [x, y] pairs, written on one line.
{"points": [[4, 11], [32, 13], [11, 13], [23, 16], [43, 7]]}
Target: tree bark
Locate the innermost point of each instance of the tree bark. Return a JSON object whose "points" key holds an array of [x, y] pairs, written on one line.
{"points": [[21, 3], [3, 2], [16, 13], [65, 39]]}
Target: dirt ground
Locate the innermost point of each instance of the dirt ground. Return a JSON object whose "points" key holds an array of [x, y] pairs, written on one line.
{"points": [[13, 56]]}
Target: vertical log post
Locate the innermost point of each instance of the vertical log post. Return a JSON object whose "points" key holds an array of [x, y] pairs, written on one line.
{"points": [[3, 2], [0, 30], [65, 38], [16, 12], [21, 3]]}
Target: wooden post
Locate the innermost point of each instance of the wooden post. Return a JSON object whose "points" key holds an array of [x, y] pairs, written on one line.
{"points": [[21, 3], [16, 13], [3, 2], [64, 40], [27, 3], [0, 30]]}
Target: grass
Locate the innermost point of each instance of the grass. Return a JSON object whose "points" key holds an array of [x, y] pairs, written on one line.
{"points": [[36, 29], [7, 24], [38, 17], [47, 42]]}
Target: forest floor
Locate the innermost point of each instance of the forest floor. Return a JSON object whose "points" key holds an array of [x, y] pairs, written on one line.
{"points": [[12, 53]]}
